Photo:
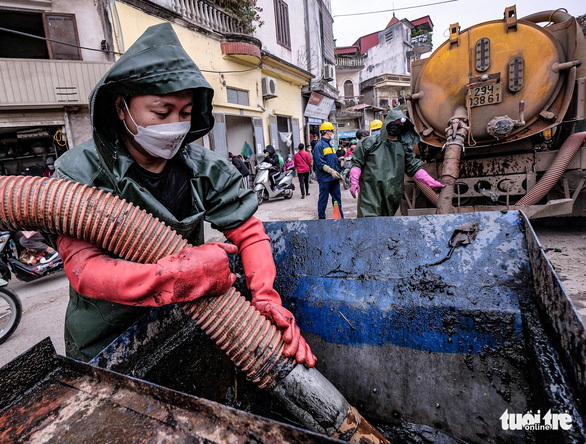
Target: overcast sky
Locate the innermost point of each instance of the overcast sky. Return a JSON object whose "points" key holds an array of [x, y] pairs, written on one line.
{"points": [[466, 12]]}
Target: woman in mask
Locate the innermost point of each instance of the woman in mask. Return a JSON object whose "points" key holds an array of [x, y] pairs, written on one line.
{"points": [[146, 113], [379, 163], [49, 167]]}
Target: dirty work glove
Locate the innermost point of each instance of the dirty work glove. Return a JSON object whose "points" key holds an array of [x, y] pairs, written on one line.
{"points": [[333, 172], [189, 274], [422, 176], [355, 173], [257, 258]]}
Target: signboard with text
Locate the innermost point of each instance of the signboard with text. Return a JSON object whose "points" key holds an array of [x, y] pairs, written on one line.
{"points": [[318, 106]]}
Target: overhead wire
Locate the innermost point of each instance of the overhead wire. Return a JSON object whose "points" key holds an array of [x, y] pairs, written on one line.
{"points": [[114, 52], [394, 9], [14, 31]]}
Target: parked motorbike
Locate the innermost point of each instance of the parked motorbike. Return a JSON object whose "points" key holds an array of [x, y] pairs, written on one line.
{"points": [[10, 252], [346, 171], [10, 311], [262, 185]]}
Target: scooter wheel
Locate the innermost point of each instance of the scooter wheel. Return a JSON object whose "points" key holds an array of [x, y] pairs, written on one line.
{"points": [[288, 194], [260, 197], [10, 313], [347, 183]]}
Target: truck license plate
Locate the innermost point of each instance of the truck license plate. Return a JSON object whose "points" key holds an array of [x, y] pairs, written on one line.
{"points": [[487, 94]]}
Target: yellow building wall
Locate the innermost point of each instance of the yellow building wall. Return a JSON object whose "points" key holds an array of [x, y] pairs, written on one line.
{"points": [[207, 54]]}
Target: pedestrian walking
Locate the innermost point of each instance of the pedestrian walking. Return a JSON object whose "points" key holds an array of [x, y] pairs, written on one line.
{"points": [[327, 169], [238, 162], [303, 162]]}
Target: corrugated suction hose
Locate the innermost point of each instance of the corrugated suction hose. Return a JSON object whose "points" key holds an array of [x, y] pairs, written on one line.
{"points": [[563, 158], [252, 342]]}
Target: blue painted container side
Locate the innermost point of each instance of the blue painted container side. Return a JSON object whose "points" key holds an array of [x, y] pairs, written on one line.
{"points": [[368, 282], [450, 346]]}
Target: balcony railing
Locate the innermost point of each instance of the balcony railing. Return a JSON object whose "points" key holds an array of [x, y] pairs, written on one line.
{"points": [[206, 15], [350, 62], [27, 82], [421, 43]]}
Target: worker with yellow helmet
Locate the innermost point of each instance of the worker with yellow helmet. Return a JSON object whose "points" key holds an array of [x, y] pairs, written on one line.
{"points": [[328, 170], [375, 126]]}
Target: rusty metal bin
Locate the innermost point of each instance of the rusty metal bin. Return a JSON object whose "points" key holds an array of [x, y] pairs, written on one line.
{"points": [[453, 349], [451, 346]]}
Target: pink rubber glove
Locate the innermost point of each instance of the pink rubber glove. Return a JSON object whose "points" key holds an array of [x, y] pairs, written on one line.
{"points": [[355, 173], [423, 177]]}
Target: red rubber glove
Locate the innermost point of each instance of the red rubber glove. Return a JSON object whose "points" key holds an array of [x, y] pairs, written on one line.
{"points": [[192, 273], [257, 258]]}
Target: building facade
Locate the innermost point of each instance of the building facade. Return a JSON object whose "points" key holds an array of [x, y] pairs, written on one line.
{"points": [[260, 65], [374, 73], [45, 84]]}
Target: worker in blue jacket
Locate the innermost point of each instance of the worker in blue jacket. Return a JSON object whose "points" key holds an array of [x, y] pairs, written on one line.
{"points": [[328, 170]]}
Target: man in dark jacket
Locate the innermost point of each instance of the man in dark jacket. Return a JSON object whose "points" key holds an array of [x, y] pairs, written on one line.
{"points": [[242, 169], [273, 158], [146, 112], [327, 169]]}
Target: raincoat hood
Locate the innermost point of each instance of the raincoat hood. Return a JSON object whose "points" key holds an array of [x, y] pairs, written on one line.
{"points": [[409, 136], [269, 149], [155, 64]]}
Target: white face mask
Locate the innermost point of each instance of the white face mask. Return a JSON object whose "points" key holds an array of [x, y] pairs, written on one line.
{"points": [[163, 140]]}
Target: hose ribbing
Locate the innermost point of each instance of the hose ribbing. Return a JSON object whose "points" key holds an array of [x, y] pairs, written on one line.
{"points": [[558, 167], [431, 195], [72, 209], [251, 341]]}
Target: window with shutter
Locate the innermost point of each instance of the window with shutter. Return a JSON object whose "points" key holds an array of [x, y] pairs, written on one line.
{"points": [[62, 28], [282, 23], [327, 35], [348, 89], [28, 41]]}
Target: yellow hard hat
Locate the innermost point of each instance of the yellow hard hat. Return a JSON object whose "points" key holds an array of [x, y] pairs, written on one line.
{"points": [[376, 125], [327, 126]]}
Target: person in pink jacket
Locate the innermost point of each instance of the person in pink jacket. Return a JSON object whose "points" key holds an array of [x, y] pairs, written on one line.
{"points": [[302, 162]]}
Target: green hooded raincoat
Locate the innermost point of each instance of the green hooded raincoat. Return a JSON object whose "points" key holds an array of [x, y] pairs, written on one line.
{"points": [[384, 163], [155, 64]]}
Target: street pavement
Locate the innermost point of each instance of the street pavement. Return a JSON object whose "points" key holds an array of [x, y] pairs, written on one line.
{"points": [[294, 208]]}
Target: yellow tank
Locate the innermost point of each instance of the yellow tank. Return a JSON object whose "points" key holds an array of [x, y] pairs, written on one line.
{"points": [[512, 77]]}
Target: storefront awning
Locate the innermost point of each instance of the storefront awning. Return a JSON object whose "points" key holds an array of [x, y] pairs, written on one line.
{"points": [[20, 119]]}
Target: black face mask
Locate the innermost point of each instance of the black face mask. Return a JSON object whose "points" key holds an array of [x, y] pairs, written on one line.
{"points": [[394, 129]]}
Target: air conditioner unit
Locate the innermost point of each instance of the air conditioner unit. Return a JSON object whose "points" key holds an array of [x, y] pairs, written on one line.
{"points": [[269, 87], [329, 72]]}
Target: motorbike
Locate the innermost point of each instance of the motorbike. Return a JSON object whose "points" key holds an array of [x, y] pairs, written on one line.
{"points": [[10, 311], [10, 253], [262, 185], [346, 171]]}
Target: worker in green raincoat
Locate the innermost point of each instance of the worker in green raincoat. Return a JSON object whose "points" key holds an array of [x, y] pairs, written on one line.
{"points": [[146, 112], [379, 163]]}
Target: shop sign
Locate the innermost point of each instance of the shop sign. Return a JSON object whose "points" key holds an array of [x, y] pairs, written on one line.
{"points": [[318, 106]]}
